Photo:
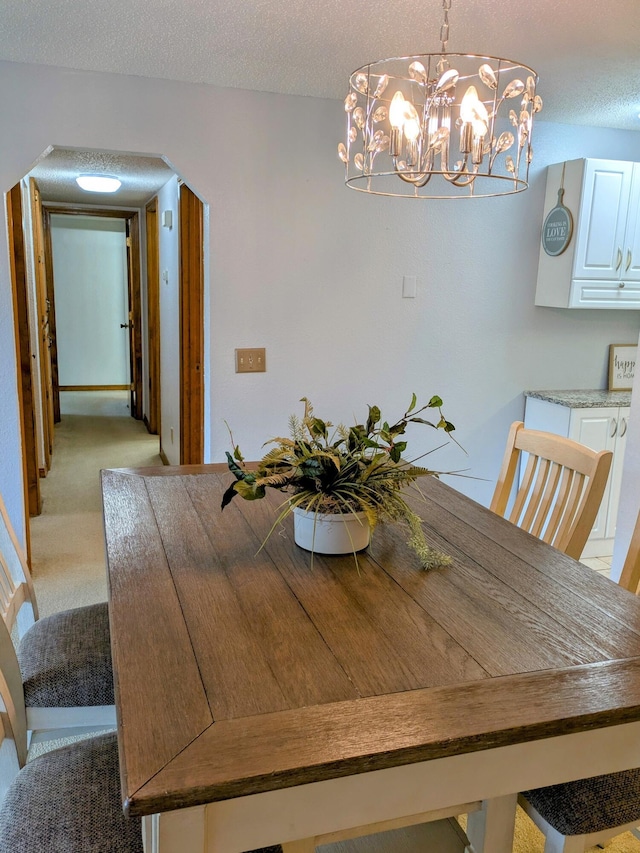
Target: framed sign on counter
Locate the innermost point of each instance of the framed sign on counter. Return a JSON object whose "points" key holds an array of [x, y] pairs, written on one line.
{"points": [[622, 366]]}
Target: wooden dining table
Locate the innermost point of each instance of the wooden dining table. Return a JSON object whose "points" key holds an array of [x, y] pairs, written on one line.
{"points": [[266, 697]]}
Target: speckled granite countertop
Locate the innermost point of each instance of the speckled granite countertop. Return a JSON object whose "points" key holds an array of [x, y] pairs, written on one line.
{"points": [[583, 399]]}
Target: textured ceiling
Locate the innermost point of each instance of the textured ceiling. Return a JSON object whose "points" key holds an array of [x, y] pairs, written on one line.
{"points": [[141, 177], [585, 51]]}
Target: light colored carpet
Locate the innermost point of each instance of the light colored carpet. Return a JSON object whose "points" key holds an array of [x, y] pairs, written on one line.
{"points": [[67, 539]]}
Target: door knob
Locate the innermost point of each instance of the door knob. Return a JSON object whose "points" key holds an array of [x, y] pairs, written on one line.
{"points": [[124, 325]]}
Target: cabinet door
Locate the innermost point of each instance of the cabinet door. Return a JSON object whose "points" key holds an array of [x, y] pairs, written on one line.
{"points": [[615, 477], [631, 260], [602, 220], [597, 429]]}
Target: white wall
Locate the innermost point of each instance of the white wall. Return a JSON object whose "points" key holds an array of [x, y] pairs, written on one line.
{"points": [[313, 271], [169, 324], [91, 299]]}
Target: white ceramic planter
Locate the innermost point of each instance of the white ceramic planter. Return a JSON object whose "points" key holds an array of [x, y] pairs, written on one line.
{"points": [[331, 533]]}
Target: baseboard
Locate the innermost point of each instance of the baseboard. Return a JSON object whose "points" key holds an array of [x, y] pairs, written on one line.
{"points": [[94, 387], [145, 421]]}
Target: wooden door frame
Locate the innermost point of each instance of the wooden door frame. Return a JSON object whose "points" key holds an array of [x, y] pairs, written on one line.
{"points": [[51, 304], [42, 322], [24, 358], [154, 417], [133, 266], [191, 299]]}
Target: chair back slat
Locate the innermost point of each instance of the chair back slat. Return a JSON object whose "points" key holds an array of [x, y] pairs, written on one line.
{"points": [[572, 510], [534, 497], [560, 503], [630, 576], [17, 597], [521, 495], [7, 584], [13, 716], [546, 503], [560, 490]]}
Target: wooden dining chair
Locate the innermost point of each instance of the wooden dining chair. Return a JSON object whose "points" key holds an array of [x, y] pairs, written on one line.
{"points": [[67, 799], [578, 815], [65, 659], [560, 489]]}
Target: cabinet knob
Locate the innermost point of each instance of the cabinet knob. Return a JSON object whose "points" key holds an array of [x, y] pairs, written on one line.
{"points": [[621, 284]]}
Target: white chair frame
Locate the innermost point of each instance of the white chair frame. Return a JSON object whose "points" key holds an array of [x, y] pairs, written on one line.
{"points": [[19, 611]]}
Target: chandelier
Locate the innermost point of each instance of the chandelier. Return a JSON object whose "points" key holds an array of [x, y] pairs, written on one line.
{"points": [[440, 125]]}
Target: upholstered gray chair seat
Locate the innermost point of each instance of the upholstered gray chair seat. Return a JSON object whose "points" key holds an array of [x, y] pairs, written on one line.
{"points": [[69, 800], [589, 805], [65, 659]]}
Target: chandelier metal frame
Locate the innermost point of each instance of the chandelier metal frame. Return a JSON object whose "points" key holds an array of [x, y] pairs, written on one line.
{"points": [[440, 125]]}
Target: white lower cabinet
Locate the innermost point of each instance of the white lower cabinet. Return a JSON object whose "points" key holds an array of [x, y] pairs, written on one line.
{"points": [[601, 428]]}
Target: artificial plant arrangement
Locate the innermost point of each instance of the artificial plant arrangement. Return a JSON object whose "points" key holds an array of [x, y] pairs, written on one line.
{"points": [[358, 469]]}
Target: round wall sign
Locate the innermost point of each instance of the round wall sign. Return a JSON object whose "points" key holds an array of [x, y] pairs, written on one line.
{"points": [[557, 228]]}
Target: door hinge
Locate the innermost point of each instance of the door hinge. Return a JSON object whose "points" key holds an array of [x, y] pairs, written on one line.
{"points": [[128, 242]]}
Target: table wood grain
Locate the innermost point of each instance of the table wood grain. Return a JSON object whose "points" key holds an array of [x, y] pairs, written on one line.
{"points": [[241, 669]]}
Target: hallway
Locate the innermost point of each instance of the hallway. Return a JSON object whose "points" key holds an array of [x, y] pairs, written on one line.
{"points": [[67, 543]]}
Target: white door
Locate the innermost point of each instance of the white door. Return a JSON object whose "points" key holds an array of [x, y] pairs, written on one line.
{"points": [[597, 429], [631, 260], [615, 477], [92, 303], [603, 216]]}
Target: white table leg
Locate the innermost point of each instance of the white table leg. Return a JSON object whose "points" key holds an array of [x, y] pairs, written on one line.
{"points": [[491, 829], [171, 831]]}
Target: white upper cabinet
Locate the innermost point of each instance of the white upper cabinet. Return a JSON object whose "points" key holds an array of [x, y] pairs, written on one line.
{"points": [[600, 268]]}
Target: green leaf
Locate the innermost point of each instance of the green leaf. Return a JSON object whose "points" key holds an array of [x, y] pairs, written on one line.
{"points": [[233, 466], [395, 453], [422, 421], [374, 417], [414, 401], [435, 402], [318, 427], [398, 429], [228, 496], [249, 491]]}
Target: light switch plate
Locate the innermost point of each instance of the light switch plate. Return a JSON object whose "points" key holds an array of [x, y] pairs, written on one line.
{"points": [[251, 360], [409, 286]]}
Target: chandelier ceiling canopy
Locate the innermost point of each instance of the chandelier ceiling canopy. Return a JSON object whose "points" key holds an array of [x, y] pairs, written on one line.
{"points": [[440, 125]]}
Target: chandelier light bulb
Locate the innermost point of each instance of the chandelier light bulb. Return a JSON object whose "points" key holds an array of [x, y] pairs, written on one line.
{"points": [[468, 105], [397, 111], [440, 125]]}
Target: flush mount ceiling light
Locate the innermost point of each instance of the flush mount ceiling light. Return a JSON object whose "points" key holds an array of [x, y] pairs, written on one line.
{"points": [[440, 125], [98, 183]]}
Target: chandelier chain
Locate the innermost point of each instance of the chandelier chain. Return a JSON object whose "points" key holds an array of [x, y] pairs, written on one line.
{"points": [[444, 29]]}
